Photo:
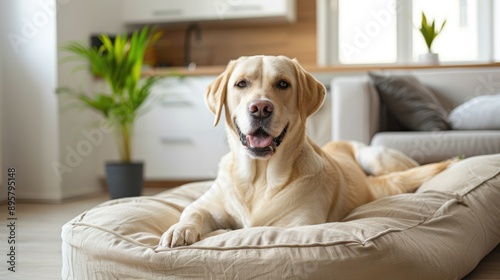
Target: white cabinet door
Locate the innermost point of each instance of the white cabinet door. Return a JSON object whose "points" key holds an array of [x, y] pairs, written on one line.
{"points": [[248, 9], [157, 11], [176, 138], [154, 11]]}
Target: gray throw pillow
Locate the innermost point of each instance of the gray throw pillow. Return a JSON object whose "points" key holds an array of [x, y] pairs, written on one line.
{"points": [[411, 103]]}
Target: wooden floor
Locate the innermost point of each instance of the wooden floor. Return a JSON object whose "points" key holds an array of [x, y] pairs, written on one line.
{"points": [[38, 240], [38, 236], [488, 268]]}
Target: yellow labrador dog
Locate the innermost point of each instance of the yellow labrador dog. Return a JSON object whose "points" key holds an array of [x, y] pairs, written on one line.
{"points": [[274, 174]]}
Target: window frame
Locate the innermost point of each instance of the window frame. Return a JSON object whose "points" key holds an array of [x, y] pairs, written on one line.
{"points": [[327, 13]]}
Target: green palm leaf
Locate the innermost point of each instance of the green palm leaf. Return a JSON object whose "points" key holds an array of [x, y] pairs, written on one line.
{"points": [[429, 32], [119, 62]]}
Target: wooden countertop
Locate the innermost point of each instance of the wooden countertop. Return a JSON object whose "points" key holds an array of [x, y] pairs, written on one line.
{"points": [[216, 70]]}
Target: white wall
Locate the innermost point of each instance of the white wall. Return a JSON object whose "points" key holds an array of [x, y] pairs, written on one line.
{"points": [[77, 20], [39, 132], [29, 105], [3, 188], [496, 31]]}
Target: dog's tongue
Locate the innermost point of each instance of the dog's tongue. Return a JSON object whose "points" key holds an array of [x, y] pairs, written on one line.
{"points": [[260, 140]]}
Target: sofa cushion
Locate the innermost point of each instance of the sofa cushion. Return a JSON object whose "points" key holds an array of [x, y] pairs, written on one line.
{"points": [[480, 112], [427, 147], [440, 232], [414, 105]]}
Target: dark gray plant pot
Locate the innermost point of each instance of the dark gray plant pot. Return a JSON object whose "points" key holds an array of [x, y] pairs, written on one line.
{"points": [[124, 179]]}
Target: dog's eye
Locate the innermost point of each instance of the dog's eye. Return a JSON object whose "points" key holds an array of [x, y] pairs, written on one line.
{"points": [[283, 84], [241, 84]]}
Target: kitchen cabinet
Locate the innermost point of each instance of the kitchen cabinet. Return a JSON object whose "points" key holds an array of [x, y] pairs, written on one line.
{"points": [[175, 137], [164, 11]]}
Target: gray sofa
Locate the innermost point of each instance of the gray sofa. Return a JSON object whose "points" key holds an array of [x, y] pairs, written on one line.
{"points": [[358, 114]]}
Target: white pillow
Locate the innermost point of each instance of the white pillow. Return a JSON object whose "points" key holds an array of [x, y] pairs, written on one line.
{"points": [[479, 113]]}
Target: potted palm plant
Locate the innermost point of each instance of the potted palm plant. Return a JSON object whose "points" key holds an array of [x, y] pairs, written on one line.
{"points": [[119, 63], [429, 32]]}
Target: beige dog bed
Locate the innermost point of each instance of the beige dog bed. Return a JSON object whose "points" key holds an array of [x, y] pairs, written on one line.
{"points": [[440, 232]]}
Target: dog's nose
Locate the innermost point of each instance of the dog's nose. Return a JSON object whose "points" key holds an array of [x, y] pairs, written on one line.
{"points": [[261, 109]]}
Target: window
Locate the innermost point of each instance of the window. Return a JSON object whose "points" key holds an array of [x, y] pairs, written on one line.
{"points": [[367, 35], [387, 31], [459, 40]]}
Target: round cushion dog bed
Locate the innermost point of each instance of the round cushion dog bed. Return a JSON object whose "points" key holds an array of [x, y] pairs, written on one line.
{"points": [[440, 232]]}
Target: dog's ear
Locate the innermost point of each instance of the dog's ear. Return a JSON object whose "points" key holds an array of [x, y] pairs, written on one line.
{"points": [[215, 96], [311, 91]]}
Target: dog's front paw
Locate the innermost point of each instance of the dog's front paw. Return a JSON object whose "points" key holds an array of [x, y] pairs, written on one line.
{"points": [[180, 235]]}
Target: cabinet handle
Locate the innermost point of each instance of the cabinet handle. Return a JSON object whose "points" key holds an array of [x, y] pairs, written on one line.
{"points": [[237, 8], [169, 12], [176, 141], [176, 103]]}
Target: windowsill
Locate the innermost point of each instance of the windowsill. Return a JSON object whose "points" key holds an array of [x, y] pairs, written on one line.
{"points": [[380, 67], [218, 69]]}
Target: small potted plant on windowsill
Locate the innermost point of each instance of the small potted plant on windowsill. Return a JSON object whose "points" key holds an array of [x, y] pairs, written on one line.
{"points": [[429, 32], [119, 63]]}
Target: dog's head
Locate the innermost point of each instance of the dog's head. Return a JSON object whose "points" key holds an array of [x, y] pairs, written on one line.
{"points": [[266, 98]]}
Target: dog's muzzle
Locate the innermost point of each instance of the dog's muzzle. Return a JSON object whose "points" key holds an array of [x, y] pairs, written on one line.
{"points": [[260, 143]]}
